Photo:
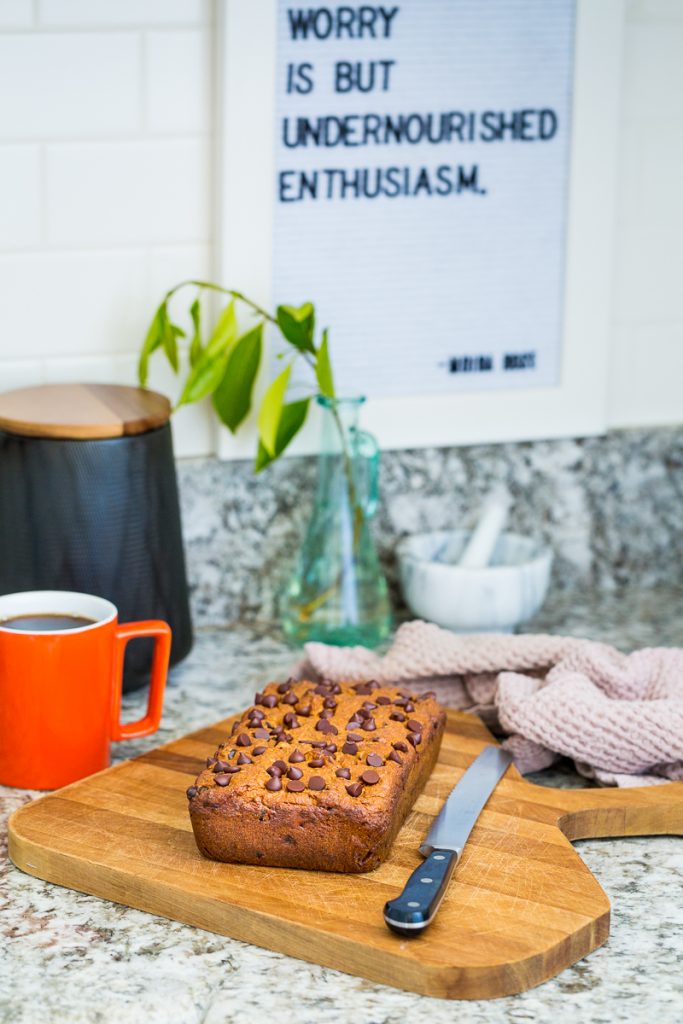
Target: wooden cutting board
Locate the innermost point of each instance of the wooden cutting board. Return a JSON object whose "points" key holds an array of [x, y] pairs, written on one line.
{"points": [[522, 905]]}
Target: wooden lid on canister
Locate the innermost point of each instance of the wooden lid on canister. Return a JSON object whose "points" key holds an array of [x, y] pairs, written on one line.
{"points": [[82, 411]]}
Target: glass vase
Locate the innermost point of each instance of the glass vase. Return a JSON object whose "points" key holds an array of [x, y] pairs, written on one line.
{"points": [[337, 592]]}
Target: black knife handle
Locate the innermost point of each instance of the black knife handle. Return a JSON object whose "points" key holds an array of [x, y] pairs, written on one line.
{"points": [[414, 909]]}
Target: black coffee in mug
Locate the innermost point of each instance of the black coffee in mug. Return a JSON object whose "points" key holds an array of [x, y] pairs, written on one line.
{"points": [[45, 623]]}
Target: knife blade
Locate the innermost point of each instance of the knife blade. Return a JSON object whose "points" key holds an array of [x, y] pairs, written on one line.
{"points": [[415, 909]]}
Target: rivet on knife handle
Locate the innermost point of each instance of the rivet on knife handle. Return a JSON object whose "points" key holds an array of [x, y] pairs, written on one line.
{"points": [[418, 903]]}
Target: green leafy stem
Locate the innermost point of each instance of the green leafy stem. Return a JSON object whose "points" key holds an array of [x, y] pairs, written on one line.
{"points": [[226, 364]]}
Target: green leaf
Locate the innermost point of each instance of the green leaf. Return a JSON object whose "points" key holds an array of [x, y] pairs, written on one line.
{"points": [[153, 339], [292, 420], [203, 378], [297, 325], [271, 410], [196, 347], [323, 368], [225, 332], [171, 334], [232, 397]]}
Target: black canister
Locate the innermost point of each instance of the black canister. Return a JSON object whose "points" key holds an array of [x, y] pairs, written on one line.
{"points": [[89, 502]]}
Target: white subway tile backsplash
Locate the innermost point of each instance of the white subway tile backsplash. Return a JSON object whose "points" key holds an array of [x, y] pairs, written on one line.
{"points": [[20, 192], [178, 82], [67, 304], [109, 369], [16, 14], [20, 373], [128, 192], [108, 13], [167, 267], [61, 86]]}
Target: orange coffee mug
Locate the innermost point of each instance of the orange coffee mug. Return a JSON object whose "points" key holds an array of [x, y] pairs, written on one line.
{"points": [[61, 673]]}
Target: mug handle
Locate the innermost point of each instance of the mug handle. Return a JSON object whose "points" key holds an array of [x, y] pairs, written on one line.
{"points": [[126, 631]]}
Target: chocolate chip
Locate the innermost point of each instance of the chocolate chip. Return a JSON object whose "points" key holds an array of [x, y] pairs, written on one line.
{"points": [[282, 765], [353, 723], [400, 745], [414, 725], [232, 768], [414, 738], [235, 727], [329, 702], [393, 756], [257, 751], [324, 726], [257, 713], [296, 757], [315, 743], [354, 737], [283, 687], [290, 698], [400, 702], [336, 688], [295, 773], [331, 748], [220, 766], [369, 705], [254, 723], [349, 748], [427, 695], [291, 720], [274, 770], [323, 689], [370, 778], [343, 773], [267, 700], [316, 762], [409, 707], [210, 761], [295, 786], [244, 740], [374, 760], [191, 792], [397, 716], [369, 725], [327, 713], [305, 711], [273, 784], [355, 789], [222, 780], [243, 759], [365, 689], [383, 700], [362, 713], [316, 782], [259, 734]]}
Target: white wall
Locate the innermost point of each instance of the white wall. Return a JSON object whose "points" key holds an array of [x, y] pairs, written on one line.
{"points": [[105, 194], [105, 184], [646, 379]]}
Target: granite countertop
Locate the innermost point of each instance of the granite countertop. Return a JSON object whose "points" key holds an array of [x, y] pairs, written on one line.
{"points": [[68, 957]]}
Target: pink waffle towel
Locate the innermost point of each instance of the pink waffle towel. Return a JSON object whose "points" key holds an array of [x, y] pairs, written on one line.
{"points": [[619, 716]]}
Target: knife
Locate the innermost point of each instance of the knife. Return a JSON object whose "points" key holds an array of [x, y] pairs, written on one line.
{"points": [[415, 909]]}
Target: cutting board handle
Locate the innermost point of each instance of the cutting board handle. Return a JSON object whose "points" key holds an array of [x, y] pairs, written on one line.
{"points": [[598, 812]]}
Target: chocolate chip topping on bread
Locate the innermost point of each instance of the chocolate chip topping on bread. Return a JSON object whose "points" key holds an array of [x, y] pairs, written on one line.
{"points": [[318, 776]]}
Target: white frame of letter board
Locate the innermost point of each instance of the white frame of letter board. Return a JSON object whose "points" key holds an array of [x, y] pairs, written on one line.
{"points": [[246, 91]]}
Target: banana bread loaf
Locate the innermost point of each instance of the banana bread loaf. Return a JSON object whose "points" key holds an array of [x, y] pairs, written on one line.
{"points": [[317, 776]]}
